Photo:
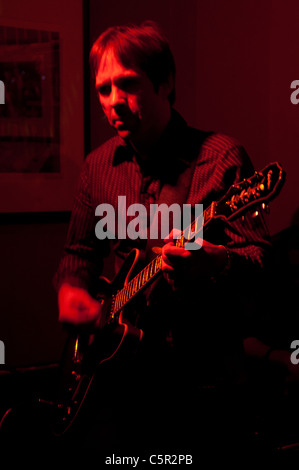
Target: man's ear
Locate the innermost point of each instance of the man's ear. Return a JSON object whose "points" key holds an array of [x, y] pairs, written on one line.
{"points": [[167, 87]]}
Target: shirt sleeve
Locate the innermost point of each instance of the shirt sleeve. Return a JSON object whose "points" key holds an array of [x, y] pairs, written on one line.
{"points": [[246, 237], [83, 254], [250, 249]]}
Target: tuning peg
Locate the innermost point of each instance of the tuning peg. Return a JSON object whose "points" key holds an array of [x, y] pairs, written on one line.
{"points": [[266, 208]]}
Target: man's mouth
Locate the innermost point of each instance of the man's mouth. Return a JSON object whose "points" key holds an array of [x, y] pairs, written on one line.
{"points": [[123, 123], [118, 122]]}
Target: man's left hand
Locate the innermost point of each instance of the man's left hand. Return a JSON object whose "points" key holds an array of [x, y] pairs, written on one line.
{"points": [[181, 266]]}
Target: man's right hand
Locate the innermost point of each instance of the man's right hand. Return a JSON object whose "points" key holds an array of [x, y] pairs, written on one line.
{"points": [[76, 305]]}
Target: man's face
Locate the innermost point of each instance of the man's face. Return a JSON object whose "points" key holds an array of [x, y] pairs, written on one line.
{"points": [[129, 100]]}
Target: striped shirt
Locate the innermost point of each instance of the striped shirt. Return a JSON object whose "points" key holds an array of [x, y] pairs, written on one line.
{"points": [[113, 170]]}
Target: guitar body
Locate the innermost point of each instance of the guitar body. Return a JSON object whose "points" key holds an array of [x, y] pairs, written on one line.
{"points": [[87, 348]]}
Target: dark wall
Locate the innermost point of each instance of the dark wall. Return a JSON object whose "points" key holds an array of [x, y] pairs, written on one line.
{"points": [[245, 65], [29, 253]]}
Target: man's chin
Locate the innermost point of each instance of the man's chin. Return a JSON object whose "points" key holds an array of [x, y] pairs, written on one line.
{"points": [[125, 134]]}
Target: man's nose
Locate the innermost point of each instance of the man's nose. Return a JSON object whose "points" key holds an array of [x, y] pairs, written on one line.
{"points": [[117, 97]]}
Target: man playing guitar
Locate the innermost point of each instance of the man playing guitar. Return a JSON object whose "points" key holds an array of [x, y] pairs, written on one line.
{"points": [[196, 314]]}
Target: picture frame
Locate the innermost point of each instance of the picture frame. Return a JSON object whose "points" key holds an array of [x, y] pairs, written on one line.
{"points": [[30, 120]]}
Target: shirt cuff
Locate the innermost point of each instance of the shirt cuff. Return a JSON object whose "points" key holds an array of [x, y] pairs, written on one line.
{"points": [[226, 268]]}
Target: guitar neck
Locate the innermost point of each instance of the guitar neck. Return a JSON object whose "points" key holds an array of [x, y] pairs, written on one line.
{"points": [[257, 190], [154, 268]]}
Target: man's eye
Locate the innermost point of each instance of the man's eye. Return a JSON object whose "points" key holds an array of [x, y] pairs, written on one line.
{"points": [[104, 90], [129, 84]]}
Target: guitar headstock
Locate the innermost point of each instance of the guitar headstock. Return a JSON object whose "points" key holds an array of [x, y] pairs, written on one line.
{"points": [[257, 190]]}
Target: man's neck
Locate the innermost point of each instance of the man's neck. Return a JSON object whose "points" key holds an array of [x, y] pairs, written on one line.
{"points": [[145, 147]]}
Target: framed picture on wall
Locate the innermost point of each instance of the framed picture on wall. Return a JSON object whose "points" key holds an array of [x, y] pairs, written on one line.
{"points": [[41, 119], [30, 116]]}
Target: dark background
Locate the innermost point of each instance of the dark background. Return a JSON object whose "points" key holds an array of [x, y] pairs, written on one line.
{"points": [[235, 63]]}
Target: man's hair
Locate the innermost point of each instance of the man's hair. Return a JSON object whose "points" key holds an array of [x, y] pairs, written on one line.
{"points": [[144, 47]]}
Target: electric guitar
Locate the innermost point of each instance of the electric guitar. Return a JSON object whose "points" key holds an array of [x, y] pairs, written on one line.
{"points": [[117, 328]]}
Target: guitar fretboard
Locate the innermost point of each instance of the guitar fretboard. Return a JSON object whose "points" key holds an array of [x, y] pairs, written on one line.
{"points": [[137, 283]]}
